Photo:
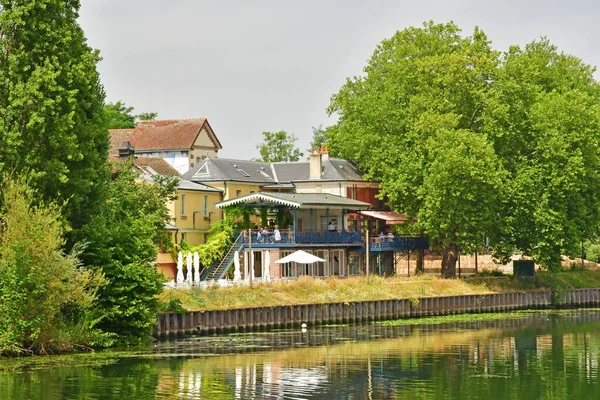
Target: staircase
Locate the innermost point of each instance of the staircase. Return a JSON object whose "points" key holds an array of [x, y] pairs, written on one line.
{"points": [[220, 267]]}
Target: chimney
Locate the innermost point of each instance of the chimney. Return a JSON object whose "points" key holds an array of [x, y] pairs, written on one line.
{"points": [[126, 151], [324, 153], [316, 165]]}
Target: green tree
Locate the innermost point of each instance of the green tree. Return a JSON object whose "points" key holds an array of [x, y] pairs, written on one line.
{"points": [[543, 119], [475, 143], [51, 104], [319, 137], [278, 146], [120, 116], [414, 122], [148, 116], [45, 295], [124, 239]]}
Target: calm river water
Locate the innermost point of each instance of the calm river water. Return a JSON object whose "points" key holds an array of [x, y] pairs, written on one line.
{"points": [[527, 356]]}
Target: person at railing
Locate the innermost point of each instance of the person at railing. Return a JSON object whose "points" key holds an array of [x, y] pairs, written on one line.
{"points": [[259, 236], [331, 227], [381, 237], [276, 234], [390, 236]]}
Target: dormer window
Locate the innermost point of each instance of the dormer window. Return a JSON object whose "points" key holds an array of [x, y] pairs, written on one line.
{"points": [[203, 170], [241, 171]]}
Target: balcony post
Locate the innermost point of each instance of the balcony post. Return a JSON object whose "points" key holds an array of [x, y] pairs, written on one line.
{"points": [[311, 225], [327, 222], [343, 227], [295, 225]]}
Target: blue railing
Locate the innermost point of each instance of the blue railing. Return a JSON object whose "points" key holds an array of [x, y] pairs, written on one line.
{"points": [[287, 236]]}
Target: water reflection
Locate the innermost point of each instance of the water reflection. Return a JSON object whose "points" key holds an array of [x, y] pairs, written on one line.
{"points": [[539, 355]]}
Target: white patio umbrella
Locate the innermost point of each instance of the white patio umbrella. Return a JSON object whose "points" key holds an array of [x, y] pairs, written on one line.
{"points": [[267, 267], [196, 267], [190, 267], [179, 268], [237, 274], [300, 257]]}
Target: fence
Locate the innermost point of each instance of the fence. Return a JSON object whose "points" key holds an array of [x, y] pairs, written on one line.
{"points": [[212, 321]]}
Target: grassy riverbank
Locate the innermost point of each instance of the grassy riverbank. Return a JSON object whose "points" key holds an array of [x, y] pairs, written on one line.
{"points": [[310, 290]]}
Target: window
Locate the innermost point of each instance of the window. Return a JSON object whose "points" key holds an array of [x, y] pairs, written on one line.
{"points": [[238, 193], [183, 236], [242, 172], [182, 210], [206, 206]]}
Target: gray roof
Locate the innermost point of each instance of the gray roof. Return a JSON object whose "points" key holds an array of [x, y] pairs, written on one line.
{"points": [[223, 169], [185, 184], [334, 169], [299, 200]]}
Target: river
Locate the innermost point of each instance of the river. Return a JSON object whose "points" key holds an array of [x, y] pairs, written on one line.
{"points": [[534, 355]]}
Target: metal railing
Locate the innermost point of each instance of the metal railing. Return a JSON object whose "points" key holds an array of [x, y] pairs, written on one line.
{"points": [[287, 236]]}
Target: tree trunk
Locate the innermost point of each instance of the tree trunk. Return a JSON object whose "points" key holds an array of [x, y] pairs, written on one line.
{"points": [[420, 262], [449, 261]]}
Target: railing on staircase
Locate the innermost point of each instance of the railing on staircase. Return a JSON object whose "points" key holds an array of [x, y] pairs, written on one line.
{"points": [[220, 267]]}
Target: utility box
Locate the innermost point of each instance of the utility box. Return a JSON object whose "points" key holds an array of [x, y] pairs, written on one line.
{"points": [[523, 268]]}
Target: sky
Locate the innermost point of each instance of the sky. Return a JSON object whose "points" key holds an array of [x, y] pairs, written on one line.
{"points": [[270, 65]]}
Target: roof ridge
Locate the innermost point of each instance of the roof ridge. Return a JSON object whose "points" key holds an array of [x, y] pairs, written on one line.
{"points": [[172, 120]]}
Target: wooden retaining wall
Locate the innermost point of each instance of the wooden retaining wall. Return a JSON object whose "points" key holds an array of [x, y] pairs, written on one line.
{"points": [[257, 318]]}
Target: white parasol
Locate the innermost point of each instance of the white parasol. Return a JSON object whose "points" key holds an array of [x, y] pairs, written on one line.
{"points": [[300, 257], [237, 274], [196, 268], [180, 268], [267, 267], [190, 268]]}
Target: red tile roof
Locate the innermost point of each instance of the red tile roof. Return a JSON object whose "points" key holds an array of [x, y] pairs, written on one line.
{"points": [[167, 134], [117, 137]]}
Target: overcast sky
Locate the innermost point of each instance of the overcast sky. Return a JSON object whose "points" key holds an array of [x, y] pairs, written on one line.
{"points": [[268, 65]]}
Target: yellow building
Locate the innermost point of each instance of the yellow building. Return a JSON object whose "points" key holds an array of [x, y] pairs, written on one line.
{"points": [[194, 212]]}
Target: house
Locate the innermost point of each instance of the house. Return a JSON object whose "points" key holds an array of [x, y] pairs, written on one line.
{"points": [[193, 211], [182, 143], [190, 212], [302, 201]]}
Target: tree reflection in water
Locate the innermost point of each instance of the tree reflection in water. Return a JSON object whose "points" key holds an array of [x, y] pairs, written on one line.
{"points": [[539, 355]]}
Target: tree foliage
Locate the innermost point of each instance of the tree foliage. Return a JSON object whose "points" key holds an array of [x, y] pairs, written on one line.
{"points": [[45, 294], [124, 239], [543, 120], [51, 101], [475, 143], [319, 137], [413, 122], [278, 146], [120, 116]]}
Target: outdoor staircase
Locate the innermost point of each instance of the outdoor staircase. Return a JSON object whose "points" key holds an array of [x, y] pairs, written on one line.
{"points": [[220, 267]]}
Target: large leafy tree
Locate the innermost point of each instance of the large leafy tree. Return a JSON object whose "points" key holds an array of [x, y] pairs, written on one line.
{"points": [[45, 295], [119, 116], [51, 104], [278, 146], [123, 241], [478, 144], [543, 120], [414, 122], [319, 137]]}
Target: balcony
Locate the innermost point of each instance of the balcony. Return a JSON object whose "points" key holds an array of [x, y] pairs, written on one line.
{"points": [[287, 238]]}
